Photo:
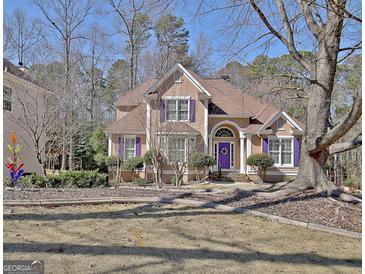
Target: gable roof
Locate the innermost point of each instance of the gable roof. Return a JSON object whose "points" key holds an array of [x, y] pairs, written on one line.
{"points": [[186, 72], [135, 97], [132, 123]]}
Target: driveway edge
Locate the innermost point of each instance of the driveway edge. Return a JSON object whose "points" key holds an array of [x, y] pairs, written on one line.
{"points": [[192, 203]]}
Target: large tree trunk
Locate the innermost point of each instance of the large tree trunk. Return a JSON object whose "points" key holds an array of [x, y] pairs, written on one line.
{"points": [[312, 172]]}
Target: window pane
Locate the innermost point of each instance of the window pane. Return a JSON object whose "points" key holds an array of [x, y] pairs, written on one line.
{"points": [[183, 110], [285, 158], [129, 148], [274, 145], [171, 110], [183, 105], [275, 156], [177, 149], [183, 115], [286, 145]]}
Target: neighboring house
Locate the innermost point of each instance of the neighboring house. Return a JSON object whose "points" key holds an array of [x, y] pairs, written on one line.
{"points": [[184, 112], [19, 86]]}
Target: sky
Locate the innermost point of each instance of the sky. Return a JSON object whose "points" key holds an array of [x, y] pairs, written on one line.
{"points": [[212, 25]]}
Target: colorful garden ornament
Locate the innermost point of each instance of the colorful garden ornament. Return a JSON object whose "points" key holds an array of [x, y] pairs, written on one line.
{"points": [[14, 163]]}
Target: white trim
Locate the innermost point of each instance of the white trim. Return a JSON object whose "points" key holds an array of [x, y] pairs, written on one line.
{"points": [[206, 133], [285, 173], [124, 143], [217, 125], [242, 155], [231, 167], [109, 145], [148, 125], [234, 136], [285, 116], [177, 99], [292, 149], [178, 133], [170, 72], [249, 150]]}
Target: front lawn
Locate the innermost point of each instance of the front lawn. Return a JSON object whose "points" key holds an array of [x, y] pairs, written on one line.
{"points": [[170, 239]]}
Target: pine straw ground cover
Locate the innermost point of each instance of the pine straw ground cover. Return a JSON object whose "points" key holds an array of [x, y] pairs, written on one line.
{"points": [[306, 207], [170, 239]]}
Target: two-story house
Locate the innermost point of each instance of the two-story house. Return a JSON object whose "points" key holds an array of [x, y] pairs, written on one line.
{"points": [[184, 112], [20, 89]]}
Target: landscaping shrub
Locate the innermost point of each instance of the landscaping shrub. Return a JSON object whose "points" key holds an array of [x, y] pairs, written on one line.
{"points": [[140, 182], [133, 164], [147, 158], [173, 180], [201, 162], [82, 179], [33, 180], [260, 162]]}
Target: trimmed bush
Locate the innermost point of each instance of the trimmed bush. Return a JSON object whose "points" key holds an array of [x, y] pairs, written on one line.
{"points": [[260, 162], [147, 158], [33, 180], [133, 164], [201, 161], [140, 182], [82, 179]]}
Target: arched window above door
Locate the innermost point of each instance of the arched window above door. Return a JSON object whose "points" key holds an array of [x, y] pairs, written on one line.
{"points": [[224, 132]]}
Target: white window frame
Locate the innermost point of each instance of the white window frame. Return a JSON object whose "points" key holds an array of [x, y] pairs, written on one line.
{"points": [[292, 149], [125, 142], [178, 80], [215, 134], [165, 149], [177, 98]]}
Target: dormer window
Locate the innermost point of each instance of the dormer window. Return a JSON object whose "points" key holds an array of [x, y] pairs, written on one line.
{"points": [[280, 124], [178, 77], [177, 109]]}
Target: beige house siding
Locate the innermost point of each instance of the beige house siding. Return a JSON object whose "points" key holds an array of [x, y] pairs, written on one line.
{"points": [[185, 88], [26, 91]]}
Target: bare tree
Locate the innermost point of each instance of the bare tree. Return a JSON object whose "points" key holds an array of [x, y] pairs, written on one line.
{"points": [[94, 55], [323, 25], [65, 17], [134, 23], [21, 35]]}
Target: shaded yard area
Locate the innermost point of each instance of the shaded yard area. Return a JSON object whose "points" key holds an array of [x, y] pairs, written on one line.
{"points": [[306, 207], [170, 239]]}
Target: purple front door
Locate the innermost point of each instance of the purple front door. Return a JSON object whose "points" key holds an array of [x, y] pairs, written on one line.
{"points": [[224, 155]]}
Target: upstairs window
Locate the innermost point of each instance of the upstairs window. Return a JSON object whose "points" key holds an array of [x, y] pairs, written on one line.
{"points": [[7, 100], [177, 109]]}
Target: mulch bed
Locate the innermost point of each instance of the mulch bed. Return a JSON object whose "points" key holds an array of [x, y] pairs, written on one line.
{"points": [[307, 206]]}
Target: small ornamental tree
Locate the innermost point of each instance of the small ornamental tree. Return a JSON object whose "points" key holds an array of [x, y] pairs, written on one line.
{"points": [[14, 163], [114, 165], [201, 162], [134, 165], [260, 162]]}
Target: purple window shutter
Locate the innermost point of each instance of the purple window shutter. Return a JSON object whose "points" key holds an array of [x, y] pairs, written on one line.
{"points": [[138, 146], [162, 110], [296, 151], [265, 145], [121, 147], [192, 110]]}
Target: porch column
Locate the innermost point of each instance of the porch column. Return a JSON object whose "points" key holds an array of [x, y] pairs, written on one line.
{"points": [[109, 145], [206, 134], [249, 149], [148, 124], [242, 155]]}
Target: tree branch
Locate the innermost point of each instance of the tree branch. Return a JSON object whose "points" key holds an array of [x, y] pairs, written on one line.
{"points": [[309, 18], [288, 43], [342, 147], [341, 129]]}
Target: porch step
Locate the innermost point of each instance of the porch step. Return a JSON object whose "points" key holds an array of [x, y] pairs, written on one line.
{"points": [[230, 177]]}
